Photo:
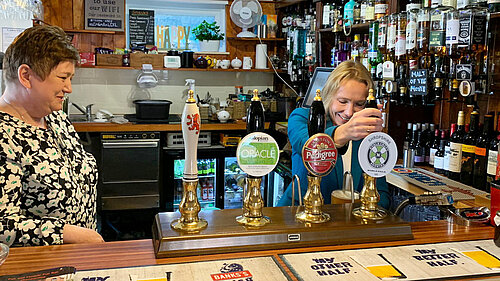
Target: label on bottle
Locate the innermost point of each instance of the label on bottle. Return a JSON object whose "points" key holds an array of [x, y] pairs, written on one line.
{"points": [[388, 70], [449, 3], [362, 13], [466, 148], [400, 48], [452, 30], [381, 8], [446, 159], [326, 15], [464, 33], [437, 38], [432, 156], [438, 162], [479, 27], [391, 36], [435, 3], [480, 151], [412, 64], [419, 159], [382, 34], [462, 3], [411, 35], [366, 63], [455, 157], [492, 162], [423, 16], [370, 13], [413, 6]]}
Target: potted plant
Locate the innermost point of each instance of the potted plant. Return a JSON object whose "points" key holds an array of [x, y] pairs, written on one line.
{"points": [[209, 36]]}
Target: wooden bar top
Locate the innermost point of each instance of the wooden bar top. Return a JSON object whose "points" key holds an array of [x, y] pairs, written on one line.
{"points": [[140, 252], [132, 127]]}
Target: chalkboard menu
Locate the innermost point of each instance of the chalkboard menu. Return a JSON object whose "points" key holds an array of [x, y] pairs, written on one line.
{"points": [[418, 82], [141, 26], [104, 15]]}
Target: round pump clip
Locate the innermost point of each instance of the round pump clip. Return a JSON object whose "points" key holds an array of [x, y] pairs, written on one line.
{"points": [[377, 154], [257, 154]]}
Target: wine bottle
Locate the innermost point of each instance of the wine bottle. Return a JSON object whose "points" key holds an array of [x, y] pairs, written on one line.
{"points": [[255, 114], [317, 117], [412, 147], [492, 157], [419, 149], [469, 150], [447, 151], [480, 156], [439, 156], [434, 146], [456, 141]]}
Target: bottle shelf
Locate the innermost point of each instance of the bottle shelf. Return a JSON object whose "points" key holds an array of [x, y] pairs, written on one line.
{"points": [[270, 70], [354, 27]]}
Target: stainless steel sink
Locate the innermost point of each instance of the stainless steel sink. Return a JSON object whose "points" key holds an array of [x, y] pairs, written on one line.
{"points": [[76, 118]]}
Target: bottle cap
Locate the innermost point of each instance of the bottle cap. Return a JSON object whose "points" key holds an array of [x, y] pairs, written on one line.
{"points": [[318, 95], [255, 95]]}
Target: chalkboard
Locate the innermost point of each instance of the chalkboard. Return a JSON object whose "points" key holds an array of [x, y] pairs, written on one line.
{"points": [[141, 26], [104, 15], [418, 82]]}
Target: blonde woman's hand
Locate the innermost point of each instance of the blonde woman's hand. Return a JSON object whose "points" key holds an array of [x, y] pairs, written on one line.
{"points": [[359, 126], [73, 234]]}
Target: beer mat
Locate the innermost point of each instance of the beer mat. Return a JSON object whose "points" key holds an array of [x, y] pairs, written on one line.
{"points": [[437, 183], [260, 268], [58, 273], [413, 262]]}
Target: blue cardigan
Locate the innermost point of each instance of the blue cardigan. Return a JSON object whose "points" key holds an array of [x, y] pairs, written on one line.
{"points": [[298, 135]]}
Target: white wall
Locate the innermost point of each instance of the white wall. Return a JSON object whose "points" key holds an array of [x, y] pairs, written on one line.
{"points": [[111, 89]]}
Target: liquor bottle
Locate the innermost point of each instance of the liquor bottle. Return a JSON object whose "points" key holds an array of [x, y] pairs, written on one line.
{"points": [[438, 77], [469, 150], [362, 11], [349, 13], [437, 42], [454, 92], [423, 30], [426, 135], [412, 146], [357, 12], [449, 3], [400, 43], [439, 156], [356, 45], [389, 69], [481, 156], [382, 34], [374, 56], [317, 117], [370, 11], [411, 38], [456, 141], [434, 146], [461, 4], [326, 15], [447, 151], [407, 139], [381, 8], [413, 5], [255, 114]]}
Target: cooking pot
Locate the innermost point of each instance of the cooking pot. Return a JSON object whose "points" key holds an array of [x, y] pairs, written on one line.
{"points": [[152, 109]]}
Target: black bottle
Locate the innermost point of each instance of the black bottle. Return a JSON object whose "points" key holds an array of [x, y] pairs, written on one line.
{"points": [[439, 156], [456, 141], [255, 114], [469, 149], [481, 156], [317, 117]]}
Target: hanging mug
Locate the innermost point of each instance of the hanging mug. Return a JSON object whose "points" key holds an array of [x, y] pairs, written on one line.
{"points": [[247, 63]]}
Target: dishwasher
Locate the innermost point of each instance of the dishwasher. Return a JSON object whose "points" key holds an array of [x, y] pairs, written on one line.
{"points": [[130, 171]]}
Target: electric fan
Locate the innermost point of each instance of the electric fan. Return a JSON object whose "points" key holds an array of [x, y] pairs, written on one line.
{"points": [[246, 14]]}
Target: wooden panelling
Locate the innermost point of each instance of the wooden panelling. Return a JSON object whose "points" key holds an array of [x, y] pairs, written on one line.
{"points": [[78, 14]]}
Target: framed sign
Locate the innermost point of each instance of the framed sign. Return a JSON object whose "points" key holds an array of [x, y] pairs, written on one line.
{"points": [[104, 15]]}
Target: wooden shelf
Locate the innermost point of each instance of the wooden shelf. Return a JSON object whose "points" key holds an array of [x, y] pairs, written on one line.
{"points": [[92, 31], [186, 69], [255, 39], [354, 27], [495, 15], [285, 3]]}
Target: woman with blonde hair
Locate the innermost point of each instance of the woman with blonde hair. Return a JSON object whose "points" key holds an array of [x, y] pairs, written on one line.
{"points": [[348, 122]]}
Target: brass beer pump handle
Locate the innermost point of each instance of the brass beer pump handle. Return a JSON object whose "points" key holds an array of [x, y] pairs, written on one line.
{"points": [[189, 209]]}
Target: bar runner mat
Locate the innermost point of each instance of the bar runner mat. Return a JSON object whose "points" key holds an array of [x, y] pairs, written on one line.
{"points": [[437, 183], [246, 269], [415, 262]]}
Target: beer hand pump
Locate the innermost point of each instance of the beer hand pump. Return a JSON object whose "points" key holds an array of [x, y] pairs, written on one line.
{"points": [[319, 155], [257, 154], [377, 156], [190, 206]]}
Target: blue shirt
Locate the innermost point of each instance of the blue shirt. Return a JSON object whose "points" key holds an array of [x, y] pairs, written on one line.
{"points": [[298, 135]]}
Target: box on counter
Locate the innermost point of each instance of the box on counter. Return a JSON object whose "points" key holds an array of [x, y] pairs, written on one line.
{"points": [[109, 59], [138, 59], [87, 59]]}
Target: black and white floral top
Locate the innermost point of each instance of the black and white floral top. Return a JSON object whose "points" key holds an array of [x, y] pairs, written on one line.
{"points": [[47, 179]]}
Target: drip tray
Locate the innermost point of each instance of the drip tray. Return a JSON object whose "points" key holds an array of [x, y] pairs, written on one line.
{"points": [[224, 234]]}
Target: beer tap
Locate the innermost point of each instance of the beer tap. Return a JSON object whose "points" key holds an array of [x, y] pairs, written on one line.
{"points": [[319, 155], [190, 206], [257, 154]]}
